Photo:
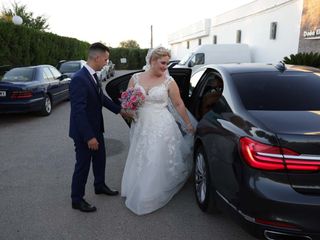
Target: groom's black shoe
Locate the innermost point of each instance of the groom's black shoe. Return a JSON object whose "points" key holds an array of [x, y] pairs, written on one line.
{"points": [[83, 206], [106, 190]]}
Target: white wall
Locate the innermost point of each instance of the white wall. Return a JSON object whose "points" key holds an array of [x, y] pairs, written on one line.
{"points": [[254, 21]]}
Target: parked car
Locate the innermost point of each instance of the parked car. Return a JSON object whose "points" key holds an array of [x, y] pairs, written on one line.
{"points": [[171, 64], [33, 89], [70, 67], [215, 54], [107, 71], [111, 70], [256, 146], [4, 69]]}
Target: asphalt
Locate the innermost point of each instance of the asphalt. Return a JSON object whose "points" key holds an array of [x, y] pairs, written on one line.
{"points": [[37, 160]]}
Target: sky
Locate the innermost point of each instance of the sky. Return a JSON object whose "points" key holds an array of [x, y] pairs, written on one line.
{"points": [[113, 21]]}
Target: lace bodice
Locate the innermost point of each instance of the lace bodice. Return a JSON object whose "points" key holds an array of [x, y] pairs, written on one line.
{"points": [[157, 95]]}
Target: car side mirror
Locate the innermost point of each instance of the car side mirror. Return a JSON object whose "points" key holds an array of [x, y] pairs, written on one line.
{"points": [[62, 76], [190, 64]]}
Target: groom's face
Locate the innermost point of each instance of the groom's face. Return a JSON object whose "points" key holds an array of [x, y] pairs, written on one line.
{"points": [[102, 60]]}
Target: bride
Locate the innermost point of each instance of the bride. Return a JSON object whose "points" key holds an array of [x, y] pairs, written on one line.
{"points": [[156, 166]]}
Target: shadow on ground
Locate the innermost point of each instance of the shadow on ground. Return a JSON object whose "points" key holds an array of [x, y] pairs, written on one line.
{"points": [[113, 146]]}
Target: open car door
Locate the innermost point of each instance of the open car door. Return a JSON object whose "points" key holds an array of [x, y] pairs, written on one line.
{"points": [[181, 75]]}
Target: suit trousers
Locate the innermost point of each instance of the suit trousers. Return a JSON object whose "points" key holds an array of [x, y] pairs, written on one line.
{"points": [[84, 157]]}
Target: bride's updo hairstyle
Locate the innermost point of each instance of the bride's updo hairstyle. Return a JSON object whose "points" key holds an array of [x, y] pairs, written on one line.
{"points": [[159, 52], [156, 53]]}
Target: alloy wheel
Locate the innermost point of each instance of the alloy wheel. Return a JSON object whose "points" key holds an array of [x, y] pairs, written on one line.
{"points": [[200, 178], [48, 106]]}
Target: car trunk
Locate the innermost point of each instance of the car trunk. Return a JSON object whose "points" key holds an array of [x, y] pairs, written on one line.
{"points": [[298, 131], [6, 89]]}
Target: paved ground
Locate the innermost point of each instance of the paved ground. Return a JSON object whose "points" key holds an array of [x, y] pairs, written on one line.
{"points": [[37, 160]]}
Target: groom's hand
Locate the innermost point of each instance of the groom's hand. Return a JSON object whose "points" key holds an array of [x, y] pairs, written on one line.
{"points": [[125, 114], [93, 144]]}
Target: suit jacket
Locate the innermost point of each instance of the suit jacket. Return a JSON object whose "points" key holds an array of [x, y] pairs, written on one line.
{"points": [[86, 120]]}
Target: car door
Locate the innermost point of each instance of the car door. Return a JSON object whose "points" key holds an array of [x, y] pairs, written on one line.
{"points": [[217, 141], [52, 83], [63, 88], [180, 75]]}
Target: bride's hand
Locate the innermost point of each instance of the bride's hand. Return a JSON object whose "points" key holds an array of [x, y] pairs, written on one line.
{"points": [[190, 128]]}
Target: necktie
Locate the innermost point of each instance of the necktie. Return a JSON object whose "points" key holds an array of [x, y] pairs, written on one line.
{"points": [[97, 81]]}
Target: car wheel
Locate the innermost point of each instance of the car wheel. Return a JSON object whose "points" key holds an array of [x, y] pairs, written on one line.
{"points": [[47, 106], [202, 182]]}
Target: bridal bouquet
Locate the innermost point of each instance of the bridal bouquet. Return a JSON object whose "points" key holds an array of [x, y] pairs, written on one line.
{"points": [[131, 100]]}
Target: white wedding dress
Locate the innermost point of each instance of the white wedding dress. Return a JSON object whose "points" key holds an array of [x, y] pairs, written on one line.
{"points": [[159, 161]]}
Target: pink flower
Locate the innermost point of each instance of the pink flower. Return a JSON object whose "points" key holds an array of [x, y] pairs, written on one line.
{"points": [[124, 94], [132, 99]]}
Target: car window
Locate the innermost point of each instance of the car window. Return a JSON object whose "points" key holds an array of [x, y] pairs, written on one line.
{"points": [[198, 59], [210, 96], [279, 91], [194, 81], [47, 74], [55, 72], [185, 59], [70, 67], [19, 75]]}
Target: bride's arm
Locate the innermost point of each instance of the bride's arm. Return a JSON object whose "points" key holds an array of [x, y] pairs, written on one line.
{"points": [[177, 102]]}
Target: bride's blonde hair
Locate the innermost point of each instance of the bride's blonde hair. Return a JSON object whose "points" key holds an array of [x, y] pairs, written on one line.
{"points": [[159, 52]]}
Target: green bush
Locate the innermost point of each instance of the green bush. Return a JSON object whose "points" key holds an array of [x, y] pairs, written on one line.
{"points": [[305, 58], [135, 57], [21, 45]]}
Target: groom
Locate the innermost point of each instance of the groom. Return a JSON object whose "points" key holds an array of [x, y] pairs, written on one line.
{"points": [[86, 127]]}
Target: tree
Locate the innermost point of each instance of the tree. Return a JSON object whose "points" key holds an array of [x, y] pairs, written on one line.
{"points": [[38, 22], [129, 44]]}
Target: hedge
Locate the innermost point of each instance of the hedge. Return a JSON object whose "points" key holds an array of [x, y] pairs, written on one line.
{"points": [[23, 46]]}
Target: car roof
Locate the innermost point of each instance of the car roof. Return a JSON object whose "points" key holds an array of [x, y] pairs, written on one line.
{"points": [[73, 61], [35, 66], [259, 67]]}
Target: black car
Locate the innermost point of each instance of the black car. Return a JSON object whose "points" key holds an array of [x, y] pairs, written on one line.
{"points": [[172, 63], [33, 89], [257, 144]]}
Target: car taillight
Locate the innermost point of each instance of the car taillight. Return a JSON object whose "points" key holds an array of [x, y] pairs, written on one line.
{"points": [[276, 224], [302, 165], [21, 94], [267, 157], [260, 155]]}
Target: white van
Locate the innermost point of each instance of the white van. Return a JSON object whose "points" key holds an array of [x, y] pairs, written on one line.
{"points": [[215, 54]]}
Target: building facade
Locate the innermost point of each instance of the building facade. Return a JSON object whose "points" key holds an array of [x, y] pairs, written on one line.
{"points": [[273, 29]]}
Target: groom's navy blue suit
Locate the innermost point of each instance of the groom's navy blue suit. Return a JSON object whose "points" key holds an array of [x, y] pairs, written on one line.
{"points": [[86, 122]]}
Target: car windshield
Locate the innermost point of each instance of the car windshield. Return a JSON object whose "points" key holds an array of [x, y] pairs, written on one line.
{"points": [[184, 60], [19, 75], [288, 91], [69, 67]]}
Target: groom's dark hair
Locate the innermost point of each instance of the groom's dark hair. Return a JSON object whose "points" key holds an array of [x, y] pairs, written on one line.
{"points": [[99, 47]]}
